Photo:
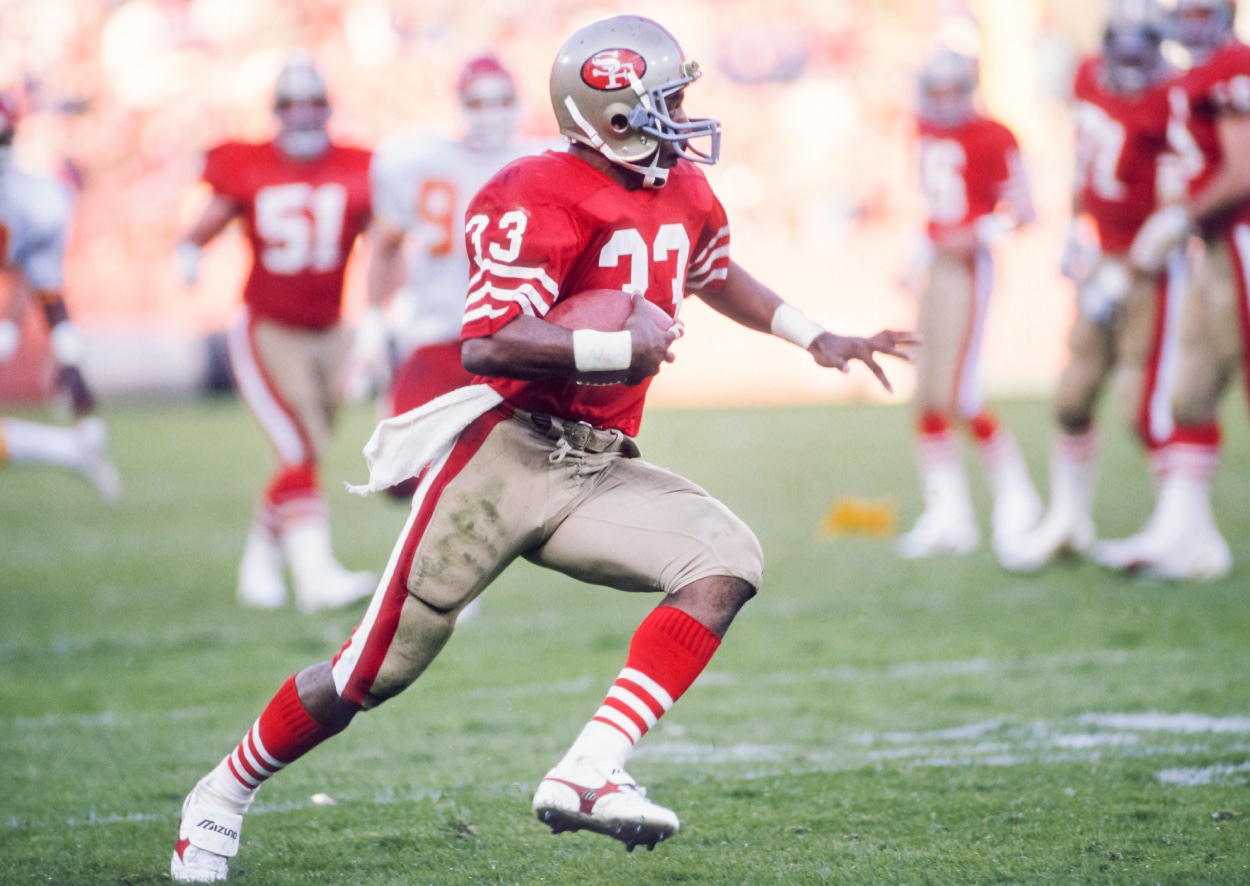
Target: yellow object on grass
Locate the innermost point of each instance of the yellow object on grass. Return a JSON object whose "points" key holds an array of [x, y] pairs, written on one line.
{"points": [[859, 516]]}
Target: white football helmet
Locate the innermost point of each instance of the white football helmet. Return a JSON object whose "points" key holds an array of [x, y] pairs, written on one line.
{"points": [[1202, 25], [1131, 43], [488, 103], [302, 106], [947, 83], [610, 89]]}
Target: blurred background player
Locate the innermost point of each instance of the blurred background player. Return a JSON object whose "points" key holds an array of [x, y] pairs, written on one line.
{"points": [[975, 192], [1126, 318], [419, 273], [1210, 132], [34, 227], [303, 201]]}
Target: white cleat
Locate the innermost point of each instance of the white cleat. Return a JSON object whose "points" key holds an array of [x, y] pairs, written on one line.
{"points": [[97, 465], [1202, 556], [605, 800], [1122, 554], [261, 580], [207, 839], [1017, 511], [1181, 540], [470, 612], [939, 532], [334, 589], [321, 581], [1056, 534]]}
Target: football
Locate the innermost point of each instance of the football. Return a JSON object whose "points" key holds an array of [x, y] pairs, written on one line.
{"points": [[605, 310]]}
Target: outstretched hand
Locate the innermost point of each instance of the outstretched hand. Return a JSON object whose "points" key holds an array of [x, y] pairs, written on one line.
{"points": [[837, 351]]}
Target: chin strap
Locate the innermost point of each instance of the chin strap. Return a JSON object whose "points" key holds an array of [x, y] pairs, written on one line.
{"points": [[653, 175]]}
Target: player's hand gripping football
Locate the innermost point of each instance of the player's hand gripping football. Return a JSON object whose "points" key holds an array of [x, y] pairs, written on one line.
{"points": [[651, 342], [837, 351]]}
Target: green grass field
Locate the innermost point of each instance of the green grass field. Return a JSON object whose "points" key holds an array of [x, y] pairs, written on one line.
{"points": [[866, 721]]}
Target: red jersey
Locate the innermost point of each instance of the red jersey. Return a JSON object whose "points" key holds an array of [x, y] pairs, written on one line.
{"points": [[1120, 140], [1218, 87], [967, 170], [302, 218], [551, 225]]}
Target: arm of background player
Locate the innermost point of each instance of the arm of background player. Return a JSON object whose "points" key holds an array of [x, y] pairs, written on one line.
{"points": [[370, 360], [219, 212], [1231, 182], [386, 264], [747, 301]]}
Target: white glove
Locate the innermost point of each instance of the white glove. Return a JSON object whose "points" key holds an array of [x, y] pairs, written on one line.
{"points": [[1102, 293], [370, 365], [1162, 232], [1080, 256], [10, 337], [992, 228], [66, 344], [915, 274], [187, 257]]}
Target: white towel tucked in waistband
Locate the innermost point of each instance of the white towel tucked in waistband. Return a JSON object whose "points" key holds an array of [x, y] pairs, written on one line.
{"points": [[401, 446]]}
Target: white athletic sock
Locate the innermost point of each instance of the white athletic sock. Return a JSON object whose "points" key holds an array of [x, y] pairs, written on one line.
{"points": [[28, 442], [599, 743], [225, 792]]}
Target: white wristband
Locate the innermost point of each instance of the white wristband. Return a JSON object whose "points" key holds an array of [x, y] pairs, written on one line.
{"points": [[187, 255], [790, 324], [10, 338], [595, 351], [66, 344]]}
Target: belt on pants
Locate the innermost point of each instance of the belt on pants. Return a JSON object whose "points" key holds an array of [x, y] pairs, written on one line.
{"points": [[576, 436]]}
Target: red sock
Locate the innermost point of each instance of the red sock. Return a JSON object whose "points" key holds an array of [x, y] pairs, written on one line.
{"points": [[294, 492], [669, 650], [1194, 451], [283, 734]]}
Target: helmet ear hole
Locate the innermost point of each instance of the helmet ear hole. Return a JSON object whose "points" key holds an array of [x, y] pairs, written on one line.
{"points": [[619, 122]]}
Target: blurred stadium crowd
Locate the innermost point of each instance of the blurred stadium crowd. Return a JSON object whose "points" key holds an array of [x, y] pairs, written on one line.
{"points": [[120, 97]]}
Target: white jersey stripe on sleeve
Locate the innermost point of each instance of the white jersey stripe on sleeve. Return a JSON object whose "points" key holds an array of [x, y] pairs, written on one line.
{"points": [[485, 311], [700, 282], [701, 268]]}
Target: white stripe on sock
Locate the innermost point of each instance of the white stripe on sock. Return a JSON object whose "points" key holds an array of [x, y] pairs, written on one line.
{"points": [[634, 703], [619, 720], [653, 688]]}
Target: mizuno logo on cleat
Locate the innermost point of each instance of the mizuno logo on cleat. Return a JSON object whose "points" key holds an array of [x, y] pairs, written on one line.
{"points": [[209, 825]]}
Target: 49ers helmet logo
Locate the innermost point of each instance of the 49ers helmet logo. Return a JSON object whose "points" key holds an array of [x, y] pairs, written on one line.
{"points": [[609, 69]]}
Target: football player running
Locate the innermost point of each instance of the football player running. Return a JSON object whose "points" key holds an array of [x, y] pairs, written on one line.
{"points": [[1210, 132], [527, 463], [1127, 318], [419, 270], [976, 192], [303, 201], [35, 215]]}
